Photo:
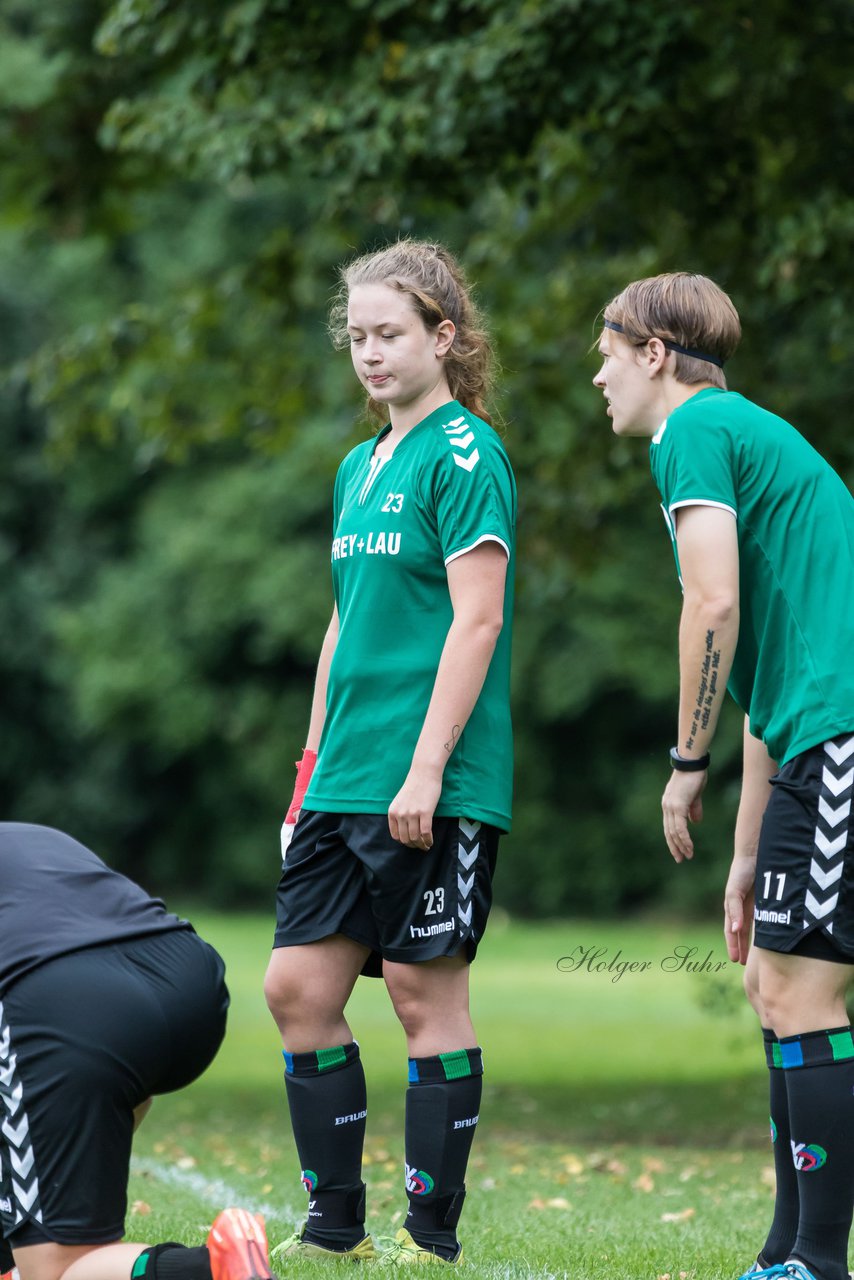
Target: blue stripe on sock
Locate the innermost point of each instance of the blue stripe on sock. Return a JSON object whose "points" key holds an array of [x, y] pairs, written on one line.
{"points": [[792, 1053], [289, 1062], [413, 1071]]}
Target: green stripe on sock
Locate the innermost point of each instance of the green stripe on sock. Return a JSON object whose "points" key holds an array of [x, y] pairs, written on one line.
{"points": [[327, 1058], [777, 1054], [455, 1065], [842, 1045]]}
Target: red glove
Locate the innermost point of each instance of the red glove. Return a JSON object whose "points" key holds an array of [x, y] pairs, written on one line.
{"points": [[305, 768]]}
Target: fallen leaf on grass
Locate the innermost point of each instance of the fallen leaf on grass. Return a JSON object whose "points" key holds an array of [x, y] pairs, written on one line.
{"points": [[572, 1165], [140, 1207], [682, 1216], [644, 1182], [186, 1162], [556, 1202]]}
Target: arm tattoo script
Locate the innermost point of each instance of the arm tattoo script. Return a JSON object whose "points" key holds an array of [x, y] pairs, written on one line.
{"points": [[707, 690]]}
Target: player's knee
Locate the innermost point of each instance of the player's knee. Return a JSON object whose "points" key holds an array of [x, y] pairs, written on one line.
{"points": [[283, 995]]}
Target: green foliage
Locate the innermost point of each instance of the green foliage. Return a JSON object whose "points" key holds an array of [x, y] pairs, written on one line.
{"points": [[181, 182]]}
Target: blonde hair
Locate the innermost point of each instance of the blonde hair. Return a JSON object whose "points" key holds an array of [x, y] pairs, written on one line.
{"points": [[437, 287], [684, 308]]}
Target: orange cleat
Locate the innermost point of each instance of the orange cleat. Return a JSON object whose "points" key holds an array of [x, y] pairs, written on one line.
{"points": [[238, 1247]]}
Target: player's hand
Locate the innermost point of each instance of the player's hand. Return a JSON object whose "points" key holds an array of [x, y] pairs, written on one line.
{"points": [[738, 906], [305, 768], [410, 814], [682, 803]]}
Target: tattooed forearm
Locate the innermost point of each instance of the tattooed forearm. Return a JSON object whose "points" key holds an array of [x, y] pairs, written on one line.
{"points": [[707, 690], [452, 741]]}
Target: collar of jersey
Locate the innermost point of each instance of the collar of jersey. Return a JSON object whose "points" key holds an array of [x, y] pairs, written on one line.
{"points": [[451, 409]]}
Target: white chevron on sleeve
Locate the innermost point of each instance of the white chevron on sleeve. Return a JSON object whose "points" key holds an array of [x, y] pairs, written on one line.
{"points": [[834, 785], [8, 1071], [469, 829], [463, 442], [820, 909], [469, 464], [830, 847], [840, 753], [458, 423], [824, 879], [833, 817]]}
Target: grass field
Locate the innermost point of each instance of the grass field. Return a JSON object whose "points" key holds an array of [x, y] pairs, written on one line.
{"points": [[622, 1132]]}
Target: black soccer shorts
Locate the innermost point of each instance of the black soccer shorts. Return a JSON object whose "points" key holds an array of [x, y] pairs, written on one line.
{"points": [[804, 894], [345, 874], [84, 1039]]}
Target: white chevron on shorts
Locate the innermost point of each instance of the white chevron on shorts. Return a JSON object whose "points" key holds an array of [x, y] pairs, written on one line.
{"points": [[835, 785], [465, 886], [840, 751], [832, 833], [467, 856], [468, 847], [824, 879], [820, 909], [18, 1183], [833, 817]]}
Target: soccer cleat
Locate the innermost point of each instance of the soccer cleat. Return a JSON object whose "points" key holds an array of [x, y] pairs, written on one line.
{"points": [[403, 1251], [797, 1271], [237, 1245], [296, 1247]]}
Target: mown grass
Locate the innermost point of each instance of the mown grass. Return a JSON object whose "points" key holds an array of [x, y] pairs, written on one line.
{"points": [[622, 1130]]}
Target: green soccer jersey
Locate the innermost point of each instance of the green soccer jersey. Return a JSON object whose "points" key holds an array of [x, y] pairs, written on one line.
{"points": [[793, 672], [398, 522]]}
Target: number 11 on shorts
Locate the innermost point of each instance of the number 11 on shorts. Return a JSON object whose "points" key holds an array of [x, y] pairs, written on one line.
{"points": [[781, 884]]}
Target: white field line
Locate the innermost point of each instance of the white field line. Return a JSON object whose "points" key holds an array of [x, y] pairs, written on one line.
{"points": [[215, 1192], [218, 1194]]}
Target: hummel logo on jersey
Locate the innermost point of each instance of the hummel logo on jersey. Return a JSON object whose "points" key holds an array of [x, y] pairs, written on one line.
{"points": [[461, 438], [431, 930], [357, 1115], [376, 544]]}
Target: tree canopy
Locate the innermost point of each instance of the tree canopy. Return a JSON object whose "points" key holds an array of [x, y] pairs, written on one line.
{"points": [[181, 182]]}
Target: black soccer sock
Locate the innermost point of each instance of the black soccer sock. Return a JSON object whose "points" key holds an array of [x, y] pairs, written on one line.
{"points": [[442, 1104], [328, 1106], [784, 1226], [819, 1069], [173, 1262]]}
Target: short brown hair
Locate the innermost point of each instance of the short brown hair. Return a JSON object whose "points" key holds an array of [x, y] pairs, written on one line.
{"points": [[436, 284], [684, 308]]}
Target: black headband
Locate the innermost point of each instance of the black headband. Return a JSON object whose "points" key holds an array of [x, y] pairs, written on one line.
{"points": [[673, 346]]}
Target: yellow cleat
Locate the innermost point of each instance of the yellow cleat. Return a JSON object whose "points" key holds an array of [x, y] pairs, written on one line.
{"points": [[296, 1247], [403, 1251]]}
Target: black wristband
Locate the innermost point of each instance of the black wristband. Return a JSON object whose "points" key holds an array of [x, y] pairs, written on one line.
{"points": [[682, 765]]}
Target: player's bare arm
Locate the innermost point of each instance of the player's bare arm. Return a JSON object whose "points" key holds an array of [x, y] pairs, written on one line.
{"points": [[758, 769], [305, 766], [476, 585], [707, 543], [321, 680]]}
